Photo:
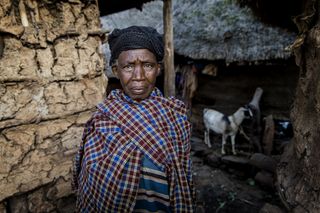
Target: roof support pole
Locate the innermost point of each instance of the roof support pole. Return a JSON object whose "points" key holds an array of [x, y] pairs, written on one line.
{"points": [[169, 73]]}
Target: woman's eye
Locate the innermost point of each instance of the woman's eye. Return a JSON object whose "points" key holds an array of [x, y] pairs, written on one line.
{"points": [[148, 66], [128, 68]]}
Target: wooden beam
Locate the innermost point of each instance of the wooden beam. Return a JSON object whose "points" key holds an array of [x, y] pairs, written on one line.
{"points": [[169, 73]]}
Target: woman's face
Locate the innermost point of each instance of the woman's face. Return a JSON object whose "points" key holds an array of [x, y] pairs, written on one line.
{"points": [[137, 70]]}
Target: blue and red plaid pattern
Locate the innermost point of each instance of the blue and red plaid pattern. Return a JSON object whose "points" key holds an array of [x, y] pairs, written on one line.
{"points": [[108, 165]]}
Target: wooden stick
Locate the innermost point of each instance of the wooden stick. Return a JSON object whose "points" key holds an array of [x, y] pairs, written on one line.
{"points": [[169, 73]]}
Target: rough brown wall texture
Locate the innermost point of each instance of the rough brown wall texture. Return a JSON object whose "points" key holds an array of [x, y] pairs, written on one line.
{"points": [[51, 75], [299, 170]]}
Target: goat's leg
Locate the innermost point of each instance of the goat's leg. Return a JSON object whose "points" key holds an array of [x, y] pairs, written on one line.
{"points": [[224, 138], [233, 137], [207, 137]]}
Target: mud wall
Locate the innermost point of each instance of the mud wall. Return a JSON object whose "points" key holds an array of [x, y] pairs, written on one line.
{"points": [[51, 74], [299, 169]]}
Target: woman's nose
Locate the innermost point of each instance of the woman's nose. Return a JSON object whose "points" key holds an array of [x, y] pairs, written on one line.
{"points": [[138, 73]]}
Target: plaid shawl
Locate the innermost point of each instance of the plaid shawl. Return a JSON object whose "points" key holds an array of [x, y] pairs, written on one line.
{"points": [[120, 132]]}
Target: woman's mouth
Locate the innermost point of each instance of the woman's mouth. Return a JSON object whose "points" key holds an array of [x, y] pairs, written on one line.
{"points": [[138, 90]]}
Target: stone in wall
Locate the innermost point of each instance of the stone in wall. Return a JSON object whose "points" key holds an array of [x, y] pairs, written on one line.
{"points": [[45, 199], [2, 208], [37, 154], [27, 102]]}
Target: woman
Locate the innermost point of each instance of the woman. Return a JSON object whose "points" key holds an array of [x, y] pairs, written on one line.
{"points": [[135, 152]]}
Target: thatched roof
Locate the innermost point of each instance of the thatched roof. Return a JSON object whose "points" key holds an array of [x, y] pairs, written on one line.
{"points": [[212, 30]]}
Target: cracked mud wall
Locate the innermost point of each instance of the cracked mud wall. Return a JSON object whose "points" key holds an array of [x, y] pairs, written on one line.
{"points": [[299, 170], [51, 77]]}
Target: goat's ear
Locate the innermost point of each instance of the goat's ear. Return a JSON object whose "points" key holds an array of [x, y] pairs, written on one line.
{"points": [[248, 107]]}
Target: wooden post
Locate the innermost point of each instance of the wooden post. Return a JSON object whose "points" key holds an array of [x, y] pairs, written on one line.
{"points": [[169, 73]]}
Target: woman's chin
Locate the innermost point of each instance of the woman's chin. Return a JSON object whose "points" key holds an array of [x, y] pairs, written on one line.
{"points": [[139, 96]]}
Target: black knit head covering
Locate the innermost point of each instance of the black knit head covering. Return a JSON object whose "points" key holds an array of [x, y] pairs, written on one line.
{"points": [[135, 37]]}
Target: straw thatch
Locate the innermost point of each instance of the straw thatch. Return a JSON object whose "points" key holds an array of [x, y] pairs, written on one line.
{"points": [[211, 30]]}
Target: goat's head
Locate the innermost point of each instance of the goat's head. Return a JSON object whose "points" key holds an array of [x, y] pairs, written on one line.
{"points": [[247, 112]]}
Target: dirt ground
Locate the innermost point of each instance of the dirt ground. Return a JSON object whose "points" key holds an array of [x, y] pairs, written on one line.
{"points": [[227, 183]]}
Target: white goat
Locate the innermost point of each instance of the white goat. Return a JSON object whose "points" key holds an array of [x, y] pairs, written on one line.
{"points": [[223, 124]]}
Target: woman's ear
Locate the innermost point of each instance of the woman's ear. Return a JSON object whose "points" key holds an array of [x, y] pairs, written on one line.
{"points": [[159, 69], [115, 70]]}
